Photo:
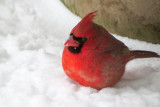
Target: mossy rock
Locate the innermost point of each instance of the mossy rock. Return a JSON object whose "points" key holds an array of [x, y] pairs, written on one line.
{"points": [[138, 19]]}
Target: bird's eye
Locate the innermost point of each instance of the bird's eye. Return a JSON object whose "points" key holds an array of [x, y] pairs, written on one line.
{"points": [[84, 39]]}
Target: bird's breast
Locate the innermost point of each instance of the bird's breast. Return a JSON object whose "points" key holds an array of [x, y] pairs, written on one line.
{"points": [[93, 70], [83, 68]]}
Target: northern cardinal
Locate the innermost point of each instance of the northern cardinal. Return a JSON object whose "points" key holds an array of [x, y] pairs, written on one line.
{"points": [[94, 58]]}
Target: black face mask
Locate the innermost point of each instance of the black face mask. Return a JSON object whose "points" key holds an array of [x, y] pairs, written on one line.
{"points": [[80, 40]]}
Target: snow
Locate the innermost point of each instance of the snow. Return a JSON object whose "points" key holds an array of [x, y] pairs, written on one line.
{"points": [[32, 36]]}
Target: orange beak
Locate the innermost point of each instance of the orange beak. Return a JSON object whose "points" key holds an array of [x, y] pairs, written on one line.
{"points": [[71, 42]]}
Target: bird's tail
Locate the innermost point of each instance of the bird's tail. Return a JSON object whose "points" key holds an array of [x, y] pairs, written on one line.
{"points": [[142, 54], [139, 54]]}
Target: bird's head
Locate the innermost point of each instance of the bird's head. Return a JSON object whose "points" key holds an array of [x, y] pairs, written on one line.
{"points": [[81, 33]]}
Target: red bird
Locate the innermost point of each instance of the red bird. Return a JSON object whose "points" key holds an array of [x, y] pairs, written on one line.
{"points": [[94, 58]]}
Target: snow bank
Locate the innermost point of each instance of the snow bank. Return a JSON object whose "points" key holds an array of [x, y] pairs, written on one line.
{"points": [[32, 36]]}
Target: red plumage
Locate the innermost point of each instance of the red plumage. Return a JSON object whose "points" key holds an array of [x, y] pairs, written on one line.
{"points": [[94, 58]]}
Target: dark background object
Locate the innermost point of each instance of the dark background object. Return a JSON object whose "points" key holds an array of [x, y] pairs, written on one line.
{"points": [[137, 19]]}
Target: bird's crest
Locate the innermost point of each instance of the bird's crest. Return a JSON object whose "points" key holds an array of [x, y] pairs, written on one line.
{"points": [[84, 24], [89, 17]]}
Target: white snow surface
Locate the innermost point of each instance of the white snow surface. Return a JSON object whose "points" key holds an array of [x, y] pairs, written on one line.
{"points": [[32, 36]]}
